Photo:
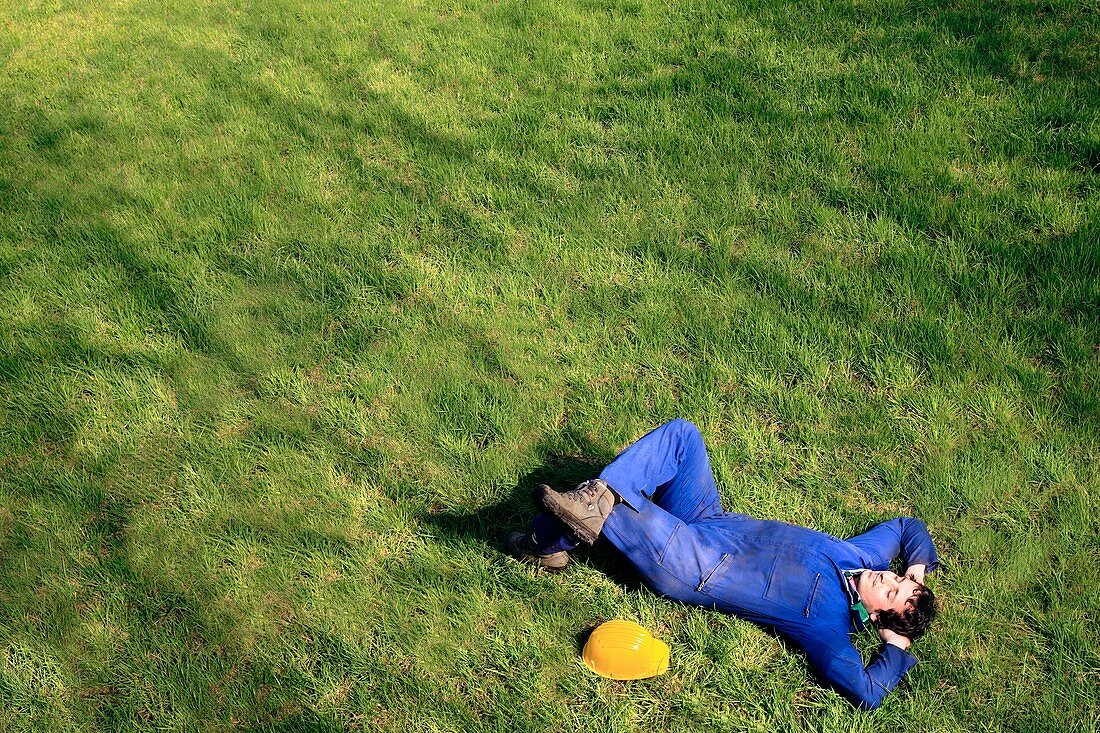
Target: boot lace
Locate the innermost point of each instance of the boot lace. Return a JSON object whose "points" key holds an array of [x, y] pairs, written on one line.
{"points": [[588, 491]]}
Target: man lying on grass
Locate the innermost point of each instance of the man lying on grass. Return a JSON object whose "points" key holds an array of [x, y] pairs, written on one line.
{"points": [[657, 503]]}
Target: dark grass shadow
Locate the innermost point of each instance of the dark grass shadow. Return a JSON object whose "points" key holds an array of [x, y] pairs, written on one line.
{"points": [[995, 36], [581, 637], [490, 525], [189, 642]]}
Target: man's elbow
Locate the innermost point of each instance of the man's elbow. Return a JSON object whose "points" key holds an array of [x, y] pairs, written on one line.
{"points": [[868, 699], [870, 703]]}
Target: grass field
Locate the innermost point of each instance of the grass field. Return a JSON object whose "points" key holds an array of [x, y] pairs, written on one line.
{"points": [[299, 298]]}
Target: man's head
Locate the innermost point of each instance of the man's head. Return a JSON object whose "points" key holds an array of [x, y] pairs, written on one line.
{"points": [[900, 604]]}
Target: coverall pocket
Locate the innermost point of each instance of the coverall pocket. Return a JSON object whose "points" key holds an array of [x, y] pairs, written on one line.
{"points": [[688, 557], [793, 586], [716, 573]]}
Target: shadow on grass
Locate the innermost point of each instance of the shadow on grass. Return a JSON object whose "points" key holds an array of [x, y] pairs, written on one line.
{"points": [[490, 525]]}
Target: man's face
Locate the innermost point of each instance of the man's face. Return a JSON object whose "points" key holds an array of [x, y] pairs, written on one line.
{"points": [[882, 590]]}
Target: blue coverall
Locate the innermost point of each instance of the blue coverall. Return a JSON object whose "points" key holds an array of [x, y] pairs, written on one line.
{"points": [[671, 526]]}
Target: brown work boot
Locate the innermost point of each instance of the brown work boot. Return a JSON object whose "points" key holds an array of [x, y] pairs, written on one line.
{"points": [[522, 547], [583, 510]]}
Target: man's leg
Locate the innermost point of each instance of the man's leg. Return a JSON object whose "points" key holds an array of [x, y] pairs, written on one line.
{"points": [[671, 556], [667, 485], [550, 536], [669, 465]]}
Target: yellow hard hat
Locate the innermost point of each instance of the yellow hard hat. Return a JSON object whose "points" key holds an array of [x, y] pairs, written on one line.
{"points": [[623, 650]]}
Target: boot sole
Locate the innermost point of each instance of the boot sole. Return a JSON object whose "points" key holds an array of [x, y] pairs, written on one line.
{"points": [[533, 560], [548, 501], [554, 569]]}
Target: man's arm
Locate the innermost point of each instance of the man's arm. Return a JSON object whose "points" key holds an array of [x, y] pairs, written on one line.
{"points": [[903, 536], [838, 663]]}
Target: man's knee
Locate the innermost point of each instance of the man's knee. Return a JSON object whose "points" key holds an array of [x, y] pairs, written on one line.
{"points": [[684, 427]]}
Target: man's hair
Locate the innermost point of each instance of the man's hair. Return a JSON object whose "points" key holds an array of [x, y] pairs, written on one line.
{"points": [[917, 617]]}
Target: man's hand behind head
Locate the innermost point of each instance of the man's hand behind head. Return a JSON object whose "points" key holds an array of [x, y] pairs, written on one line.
{"points": [[892, 637]]}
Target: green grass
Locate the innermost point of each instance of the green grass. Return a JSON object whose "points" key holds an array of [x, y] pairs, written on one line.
{"points": [[298, 298]]}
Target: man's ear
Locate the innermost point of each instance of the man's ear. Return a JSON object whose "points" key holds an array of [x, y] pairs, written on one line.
{"points": [[873, 616]]}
